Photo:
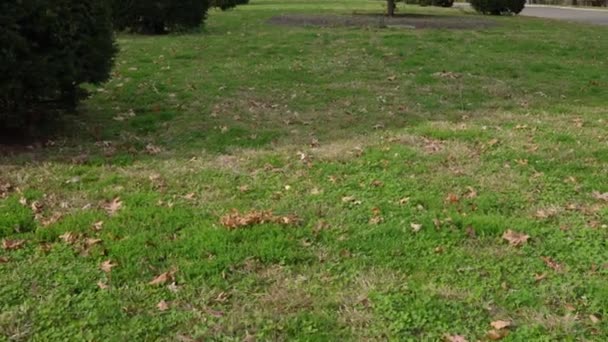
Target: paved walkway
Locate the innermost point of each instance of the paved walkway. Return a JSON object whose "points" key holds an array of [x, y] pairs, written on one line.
{"points": [[589, 16], [583, 15]]}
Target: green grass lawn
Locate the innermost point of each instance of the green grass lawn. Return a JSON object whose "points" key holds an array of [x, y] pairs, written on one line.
{"points": [[394, 160]]}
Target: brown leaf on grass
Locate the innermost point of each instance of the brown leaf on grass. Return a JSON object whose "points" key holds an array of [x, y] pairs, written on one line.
{"points": [[107, 266], [496, 335], [600, 196], [404, 201], [36, 207], [552, 263], [500, 324], [452, 198], [376, 220], [102, 285], [594, 319], [4, 260], [97, 226], [163, 278], [415, 227], [162, 305], [432, 146], [471, 232], [113, 206], [248, 337], [45, 247], [514, 238], [152, 149], [235, 219], [471, 193], [540, 276], [190, 196], [288, 220], [214, 312], [5, 189], [493, 142], [447, 75], [377, 183], [546, 213], [23, 201], [69, 237], [51, 220], [11, 245], [89, 242], [454, 338], [350, 199]]}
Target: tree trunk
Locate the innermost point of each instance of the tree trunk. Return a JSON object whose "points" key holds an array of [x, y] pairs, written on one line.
{"points": [[390, 7]]}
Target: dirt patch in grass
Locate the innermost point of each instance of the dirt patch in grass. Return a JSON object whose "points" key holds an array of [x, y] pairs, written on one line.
{"points": [[410, 21]]}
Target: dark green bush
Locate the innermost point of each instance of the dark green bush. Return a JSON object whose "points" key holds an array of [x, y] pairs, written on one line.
{"points": [[47, 49], [439, 3], [159, 16], [498, 7], [227, 4]]}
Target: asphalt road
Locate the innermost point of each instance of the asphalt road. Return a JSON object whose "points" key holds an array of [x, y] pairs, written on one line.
{"points": [[589, 16]]}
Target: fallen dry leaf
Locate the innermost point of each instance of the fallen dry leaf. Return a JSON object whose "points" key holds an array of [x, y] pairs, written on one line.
{"points": [[552, 263], [447, 74], [377, 183], [88, 242], [51, 220], [113, 206], [415, 227], [214, 312], [404, 201], [3, 260], [432, 146], [5, 188], [471, 193], [376, 220], [500, 324], [11, 245], [496, 335], [190, 196], [36, 207], [69, 237], [546, 213], [163, 278], [452, 198], [102, 285], [239, 220], [173, 287], [540, 276], [594, 319], [152, 149], [514, 238], [97, 226], [493, 142], [107, 266], [162, 305], [454, 338], [600, 196]]}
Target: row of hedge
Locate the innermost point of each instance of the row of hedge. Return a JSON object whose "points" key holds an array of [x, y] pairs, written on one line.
{"points": [[498, 7], [48, 48], [493, 7]]}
